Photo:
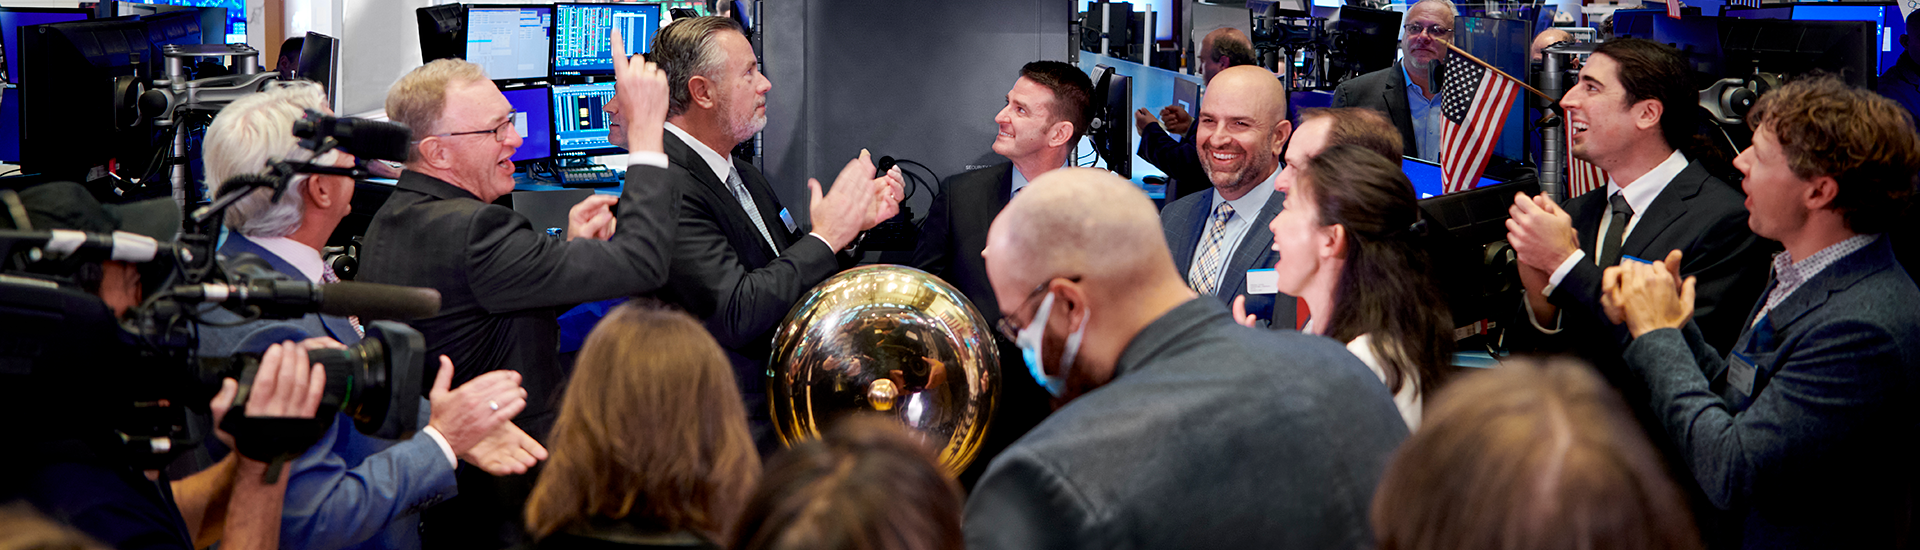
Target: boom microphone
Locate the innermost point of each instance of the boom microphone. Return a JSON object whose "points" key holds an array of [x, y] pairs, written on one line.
{"points": [[367, 139], [119, 245], [289, 298]]}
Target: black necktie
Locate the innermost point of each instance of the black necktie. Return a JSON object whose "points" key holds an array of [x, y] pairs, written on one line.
{"points": [[1616, 229]]}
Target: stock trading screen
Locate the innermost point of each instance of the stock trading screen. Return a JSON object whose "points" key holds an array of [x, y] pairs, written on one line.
{"points": [[579, 123], [583, 34], [510, 42]]}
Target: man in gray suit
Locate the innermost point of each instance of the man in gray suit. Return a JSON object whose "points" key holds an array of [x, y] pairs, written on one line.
{"points": [[1180, 429], [1803, 434], [1409, 91], [1219, 236]]}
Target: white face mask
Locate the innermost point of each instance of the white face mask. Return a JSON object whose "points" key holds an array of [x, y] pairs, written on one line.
{"points": [[1030, 340]]}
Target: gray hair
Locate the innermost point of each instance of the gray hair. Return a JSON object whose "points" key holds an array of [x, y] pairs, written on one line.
{"points": [[685, 49], [1452, 11], [249, 134]]}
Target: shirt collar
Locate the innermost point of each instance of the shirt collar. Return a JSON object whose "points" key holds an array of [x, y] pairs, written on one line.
{"points": [[1251, 203], [301, 256], [722, 165], [1790, 273], [1641, 192], [1020, 180], [1412, 88]]}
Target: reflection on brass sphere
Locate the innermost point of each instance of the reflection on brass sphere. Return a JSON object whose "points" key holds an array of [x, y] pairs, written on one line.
{"points": [[889, 340]]}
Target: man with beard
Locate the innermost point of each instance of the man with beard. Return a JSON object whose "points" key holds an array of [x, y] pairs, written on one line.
{"points": [[740, 261], [1219, 236], [1224, 47], [1408, 92]]}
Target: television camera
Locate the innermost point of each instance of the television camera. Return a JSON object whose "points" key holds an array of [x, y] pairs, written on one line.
{"points": [[115, 383]]}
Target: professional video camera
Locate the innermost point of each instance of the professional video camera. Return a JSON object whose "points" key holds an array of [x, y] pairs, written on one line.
{"points": [[115, 383], [1317, 52]]}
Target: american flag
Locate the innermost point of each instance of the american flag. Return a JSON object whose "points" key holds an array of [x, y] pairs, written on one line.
{"points": [[1673, 9], [1474, 110], [1582, 176]]}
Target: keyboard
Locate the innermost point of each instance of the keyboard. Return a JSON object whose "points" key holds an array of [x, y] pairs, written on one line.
{"points": [[590, 176]]}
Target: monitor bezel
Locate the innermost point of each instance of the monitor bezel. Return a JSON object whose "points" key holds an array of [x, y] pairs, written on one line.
{"points": [[553, 46]]}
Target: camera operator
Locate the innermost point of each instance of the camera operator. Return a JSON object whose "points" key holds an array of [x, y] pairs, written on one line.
{"points": [[67, 471], [349, 489]]}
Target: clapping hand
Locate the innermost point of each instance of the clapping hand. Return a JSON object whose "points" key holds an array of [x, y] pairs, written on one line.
{"points": [[1648, 297]]}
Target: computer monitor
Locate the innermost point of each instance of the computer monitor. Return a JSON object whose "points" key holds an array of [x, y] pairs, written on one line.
{"points": [[533, 118], [71, 120], [1368, 39], [319, 61], [1427, 181], [512, 42], [12, 19], [1113, 140], [579, 122], [583, 35], [1792, 48], [443, 31], [1890, 27]]}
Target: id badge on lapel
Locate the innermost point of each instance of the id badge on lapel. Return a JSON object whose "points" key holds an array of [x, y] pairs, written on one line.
{"points": [[1747, 367]]}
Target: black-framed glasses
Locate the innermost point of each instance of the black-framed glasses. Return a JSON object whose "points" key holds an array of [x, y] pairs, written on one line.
{"points": [[506, 126], [1012, 332], [1435, 31]]}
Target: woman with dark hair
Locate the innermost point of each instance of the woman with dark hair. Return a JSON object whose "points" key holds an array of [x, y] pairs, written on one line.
{"points": [[651, 447], [868, 485], [1347, 243]]}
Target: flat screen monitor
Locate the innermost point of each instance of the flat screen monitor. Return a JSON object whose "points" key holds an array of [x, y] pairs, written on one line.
{"points": [[1890, 27], [511, 42], [1427, 181], [579, 122], [11, 19], [443, 31], [583, 35], [319, 57], [1848, 49], [533, 119]]}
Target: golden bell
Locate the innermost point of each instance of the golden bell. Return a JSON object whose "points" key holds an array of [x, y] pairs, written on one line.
{"points": [[888, 340]]}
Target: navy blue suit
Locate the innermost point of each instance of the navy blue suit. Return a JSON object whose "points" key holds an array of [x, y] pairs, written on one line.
{"points": [[349, 490], [1210, 435], [1820, 453], [1185, 223]]}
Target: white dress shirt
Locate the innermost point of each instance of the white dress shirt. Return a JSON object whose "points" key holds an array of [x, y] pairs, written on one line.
{"points": [[1640, 195]]}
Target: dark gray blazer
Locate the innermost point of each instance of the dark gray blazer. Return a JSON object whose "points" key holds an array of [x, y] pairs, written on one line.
{"points": [[1185, 222], [1821, 452], [1210, 435], [1384, 90]]}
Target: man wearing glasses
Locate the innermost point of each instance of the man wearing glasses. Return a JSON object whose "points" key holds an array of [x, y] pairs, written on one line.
{"points": [[1408, 92], [501, 281]]}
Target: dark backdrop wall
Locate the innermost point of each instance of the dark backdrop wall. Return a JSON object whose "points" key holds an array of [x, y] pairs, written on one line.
{"points": [[916, 79]]}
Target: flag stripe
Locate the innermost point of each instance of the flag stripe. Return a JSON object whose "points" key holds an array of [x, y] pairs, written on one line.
{"points": [[1473, 125]]}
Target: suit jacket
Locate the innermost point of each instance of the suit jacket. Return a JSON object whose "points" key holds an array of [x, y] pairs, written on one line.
{"points": [[1210, 435], [1185, 222], [1180, 159], [1384, 90], [725, 274], [502, 283], [951, 239], [349, 490], [1820, 453]]}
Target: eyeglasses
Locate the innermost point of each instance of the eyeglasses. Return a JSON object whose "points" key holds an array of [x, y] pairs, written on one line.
{"points": [[1435, 31], [1012, 332], [498, 137]]}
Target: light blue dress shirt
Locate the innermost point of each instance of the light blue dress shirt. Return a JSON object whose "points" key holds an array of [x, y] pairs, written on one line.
{"points": [[1426, 118]]}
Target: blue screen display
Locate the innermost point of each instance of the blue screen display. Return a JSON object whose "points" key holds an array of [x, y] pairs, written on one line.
{"points": [[1426, 178], [583, 34], [579, 123], [510, 42], [534, 122]]}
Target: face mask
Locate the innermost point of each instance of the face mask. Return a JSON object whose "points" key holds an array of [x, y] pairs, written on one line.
{"points": [[1029, 341]]}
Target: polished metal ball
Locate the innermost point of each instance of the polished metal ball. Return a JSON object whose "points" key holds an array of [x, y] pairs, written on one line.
{"points": [[889, 340]]}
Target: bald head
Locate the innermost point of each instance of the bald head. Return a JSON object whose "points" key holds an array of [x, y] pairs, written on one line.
{"points": [[1075, 222], [1252, 84], [1549, 37], [1224, 47]]}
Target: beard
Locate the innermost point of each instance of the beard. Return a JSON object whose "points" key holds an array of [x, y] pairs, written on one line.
{"points": [[743, 123]]}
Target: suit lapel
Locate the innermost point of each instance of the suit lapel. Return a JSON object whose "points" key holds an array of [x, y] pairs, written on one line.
{"points": [[1004, 191], [1395, 96], [766, 202], [1196, 227], [1667, 208], [733, 218], [1839, 275], [337, 327], [1586, 212], [1255, 250]]}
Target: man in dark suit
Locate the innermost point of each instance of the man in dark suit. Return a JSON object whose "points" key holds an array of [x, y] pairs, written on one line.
{"points": [[740, 261], [1631, 110], [1220, 237], [1180, 429], [1803, 434], [349, 490], [1222, 48], [1045, 115], [1409, 91], [502, 283]]}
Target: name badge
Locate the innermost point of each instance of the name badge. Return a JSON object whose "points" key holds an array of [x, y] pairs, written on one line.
{"points": [[1740, 373], [1262, 281], [787, 218]]}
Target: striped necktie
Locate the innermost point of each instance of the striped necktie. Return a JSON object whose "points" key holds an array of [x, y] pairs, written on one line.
{"points": [[746, 201]]}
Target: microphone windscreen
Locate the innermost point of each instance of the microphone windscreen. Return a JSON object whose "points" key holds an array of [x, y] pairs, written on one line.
{"points": [[377, 301], [373, 139]]}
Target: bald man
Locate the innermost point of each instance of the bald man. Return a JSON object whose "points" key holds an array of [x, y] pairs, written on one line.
{"points": [[1221, 49], [1547, 38], [1201, 434], [1219, 236], [1409, 91]]}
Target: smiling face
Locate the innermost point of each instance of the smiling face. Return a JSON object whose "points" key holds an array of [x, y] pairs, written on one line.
{"points": [[480, 164], [1299, 239], [1026, 124], [1602, 123], [1242, 129], [1421, 48]]}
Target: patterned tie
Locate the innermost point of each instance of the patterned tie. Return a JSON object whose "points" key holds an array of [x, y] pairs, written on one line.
{"points": [[746, 201], [327, 276], [1205, 273], [1616, 229]]}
